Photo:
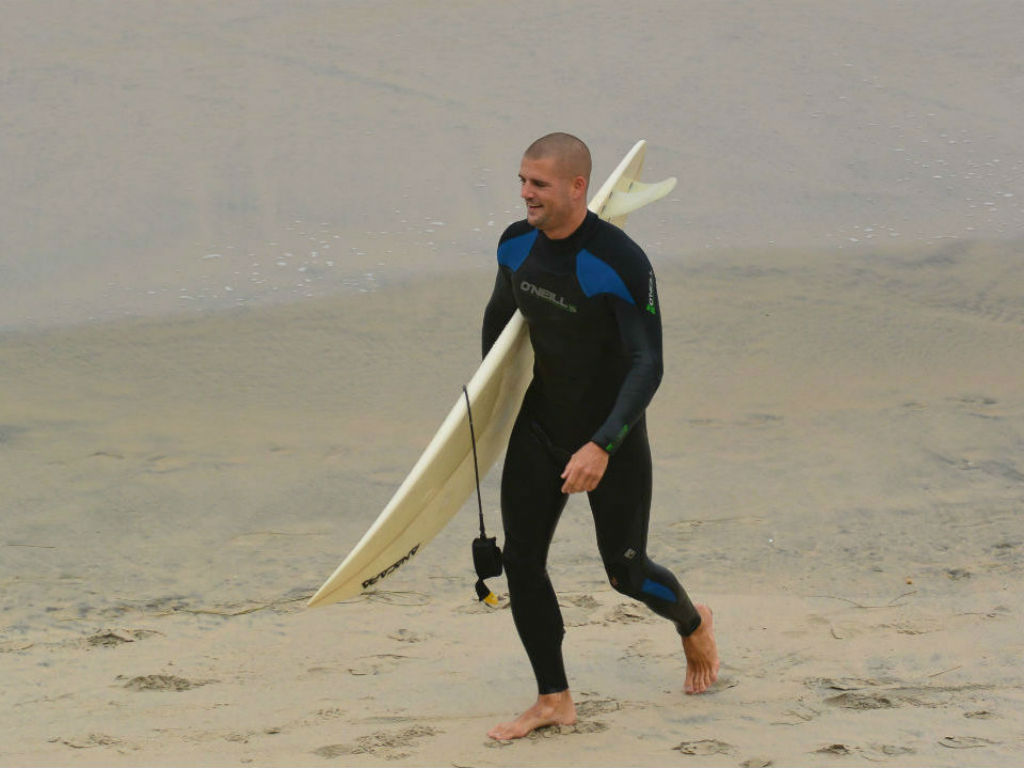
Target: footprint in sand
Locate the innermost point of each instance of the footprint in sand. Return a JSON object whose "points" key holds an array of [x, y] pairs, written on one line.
{"points": [[917, 626], [874, 753], [878, 694], [625, 613], [581, 726], [846, 683], [375, 665], [704, 747], [89, 741], [888, 750], [864, 700], [164, 683], [584, 601], [592, 707], [641, 649], [386, 744], [577, 610], [836, 749], [115, 637], [980, 714], [964, 742], [408, 636], [798, 714]]}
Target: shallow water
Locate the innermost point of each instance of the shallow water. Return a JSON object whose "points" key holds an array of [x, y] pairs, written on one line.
{"points": [[190, 157]]}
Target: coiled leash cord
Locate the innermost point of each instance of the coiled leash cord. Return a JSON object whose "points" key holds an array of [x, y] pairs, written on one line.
{"points": [[486, 554]]}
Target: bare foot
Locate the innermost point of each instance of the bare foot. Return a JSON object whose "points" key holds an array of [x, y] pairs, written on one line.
{"points": [[550, 709], [701, 654]]}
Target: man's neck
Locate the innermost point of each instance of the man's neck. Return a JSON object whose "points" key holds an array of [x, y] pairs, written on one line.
{"points": [[569, 228]]}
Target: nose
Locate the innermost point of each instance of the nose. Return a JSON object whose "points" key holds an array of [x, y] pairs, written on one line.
{"points": [[525, 192]]}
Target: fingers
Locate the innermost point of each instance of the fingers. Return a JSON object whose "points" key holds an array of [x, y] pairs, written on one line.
{"points": [[577, 480], [585, 469]]}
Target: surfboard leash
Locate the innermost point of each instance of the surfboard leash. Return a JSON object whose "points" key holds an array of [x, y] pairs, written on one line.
{"points": [[486, 554]]}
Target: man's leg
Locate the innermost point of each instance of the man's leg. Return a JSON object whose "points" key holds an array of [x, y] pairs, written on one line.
{"points": [[621, 505], [531, 504]]}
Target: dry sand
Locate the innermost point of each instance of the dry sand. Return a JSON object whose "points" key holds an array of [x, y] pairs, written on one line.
{"points": [[838, 440]]}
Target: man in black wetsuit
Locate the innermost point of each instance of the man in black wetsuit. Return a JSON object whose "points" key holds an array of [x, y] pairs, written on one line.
{"points": [[589, 298]]}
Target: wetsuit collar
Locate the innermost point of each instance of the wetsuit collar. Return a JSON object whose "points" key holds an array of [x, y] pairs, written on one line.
{"points": [[578, 236]]}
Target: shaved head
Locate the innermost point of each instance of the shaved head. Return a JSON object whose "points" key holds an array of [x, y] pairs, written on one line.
{"points": [[572, 154]]}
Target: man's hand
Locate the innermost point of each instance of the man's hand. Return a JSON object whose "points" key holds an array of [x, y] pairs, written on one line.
{"points": [[585, 469]]}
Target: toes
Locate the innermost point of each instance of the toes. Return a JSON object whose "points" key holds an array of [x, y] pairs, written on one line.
{"points": [[699, 680], [502, 732], [698, 684]]}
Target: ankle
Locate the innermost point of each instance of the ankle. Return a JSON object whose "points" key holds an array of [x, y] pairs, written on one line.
{"points": [[555, 701]]}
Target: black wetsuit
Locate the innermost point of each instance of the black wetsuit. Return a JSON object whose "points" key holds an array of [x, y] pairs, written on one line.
{"points": [[591, 304]]}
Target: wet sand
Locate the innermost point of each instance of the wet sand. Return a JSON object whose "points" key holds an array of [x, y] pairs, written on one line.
{"points": [[244, 252]]}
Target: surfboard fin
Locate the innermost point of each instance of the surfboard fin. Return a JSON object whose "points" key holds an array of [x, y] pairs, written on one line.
{"points": [[637, 196]]}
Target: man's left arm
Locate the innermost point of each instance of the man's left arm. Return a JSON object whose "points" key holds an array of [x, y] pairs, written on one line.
{"points": [[640, 330]]}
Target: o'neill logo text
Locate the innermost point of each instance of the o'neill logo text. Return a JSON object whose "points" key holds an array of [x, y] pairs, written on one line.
{"points": [[391, 568], [652, 304], [549, 296]]}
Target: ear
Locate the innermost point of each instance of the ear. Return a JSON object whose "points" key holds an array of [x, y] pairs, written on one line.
{"points": [[579, 187]]}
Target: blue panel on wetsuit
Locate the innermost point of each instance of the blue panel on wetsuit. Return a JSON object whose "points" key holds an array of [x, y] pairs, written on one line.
{"points": [[512, 253], [597, 277], [658, 590]]}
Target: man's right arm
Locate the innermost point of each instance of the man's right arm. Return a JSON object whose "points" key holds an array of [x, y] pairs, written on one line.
{"points": [[500, 309]]}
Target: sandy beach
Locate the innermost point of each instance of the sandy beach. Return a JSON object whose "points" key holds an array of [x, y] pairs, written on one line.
{"points": [[192, 436]]}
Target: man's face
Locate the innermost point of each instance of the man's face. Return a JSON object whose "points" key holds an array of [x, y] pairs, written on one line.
{"points": [[551, 196]]}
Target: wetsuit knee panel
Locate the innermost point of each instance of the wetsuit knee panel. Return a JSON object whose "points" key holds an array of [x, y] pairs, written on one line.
{"points": [[625, 574], [638, 577]]}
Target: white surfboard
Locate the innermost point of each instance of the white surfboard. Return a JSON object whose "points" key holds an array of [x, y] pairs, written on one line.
{"points": [[443, 477]]}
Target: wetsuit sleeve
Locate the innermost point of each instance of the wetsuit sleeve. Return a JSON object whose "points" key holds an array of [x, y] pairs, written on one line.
{"points": [[499, 311], [640, 330]]}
